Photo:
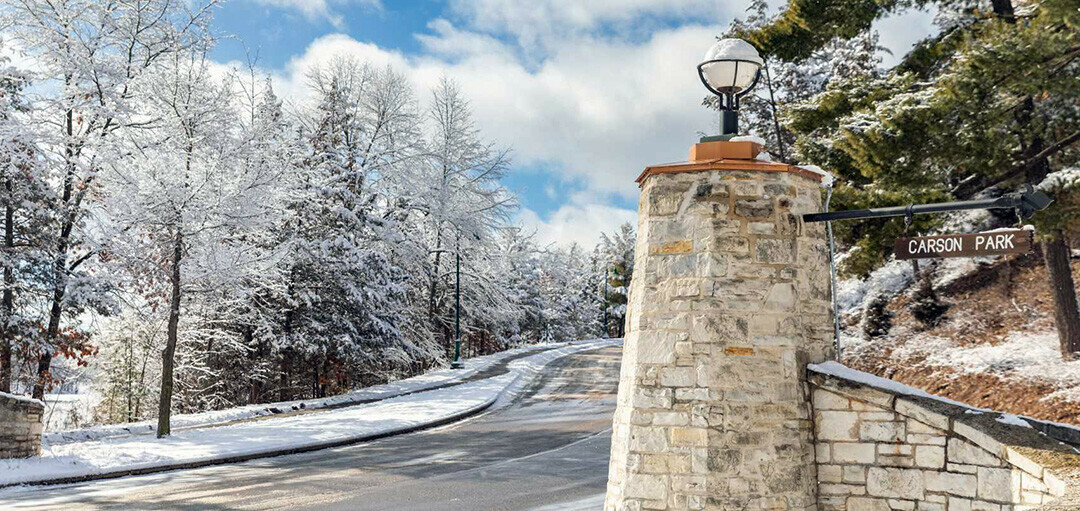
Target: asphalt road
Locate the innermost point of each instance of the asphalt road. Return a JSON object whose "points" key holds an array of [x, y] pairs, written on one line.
{"points": [[546, 450]]}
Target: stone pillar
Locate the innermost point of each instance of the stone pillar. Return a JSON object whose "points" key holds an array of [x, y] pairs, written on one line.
{"points": [[729, 302], [20, 426]]}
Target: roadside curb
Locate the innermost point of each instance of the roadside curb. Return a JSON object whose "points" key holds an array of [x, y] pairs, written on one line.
{"points": [[267, 454], [240, 458]]}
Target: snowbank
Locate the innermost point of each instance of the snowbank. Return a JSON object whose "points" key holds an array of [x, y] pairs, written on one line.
{"points": [[195, 447], [378, 392]]}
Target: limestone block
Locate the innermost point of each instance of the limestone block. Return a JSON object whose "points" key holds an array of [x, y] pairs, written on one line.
{"points": [[881, 431], [895, 482], [965, 453], [913, 410], [930, 456], [830, 473], [837, 425], [854, 474], [996, 484], [754, 208], [646, 486], [825, 400], [648, 440], [677, 376], [961, 485], [868, 504], [853, 453], [774, 251]]}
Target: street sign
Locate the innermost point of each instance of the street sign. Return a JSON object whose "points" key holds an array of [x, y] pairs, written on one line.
{"points": [[965, 245]]}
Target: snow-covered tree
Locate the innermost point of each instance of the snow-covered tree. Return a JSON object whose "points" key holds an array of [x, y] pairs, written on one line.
{"points": [[187, 204], [91, 59], [617, 257], [461, 200], [24, 199]]}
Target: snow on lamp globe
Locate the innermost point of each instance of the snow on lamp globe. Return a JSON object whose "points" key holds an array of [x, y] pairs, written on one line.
{"points": [[730, 70]]}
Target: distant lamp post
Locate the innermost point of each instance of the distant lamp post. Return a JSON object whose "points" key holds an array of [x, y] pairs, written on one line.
{"points": [[730, 70]]}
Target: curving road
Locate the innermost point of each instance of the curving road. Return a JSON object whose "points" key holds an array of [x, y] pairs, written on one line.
{"points": [[547, 450]]}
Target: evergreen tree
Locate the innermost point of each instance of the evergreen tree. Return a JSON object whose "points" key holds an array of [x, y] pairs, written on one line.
{"points": [[618, 259], [981, 107]]}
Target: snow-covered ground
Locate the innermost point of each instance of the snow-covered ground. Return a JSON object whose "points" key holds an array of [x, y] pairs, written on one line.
{"points": [[409, 385], [1030, 356], [117, 454]]}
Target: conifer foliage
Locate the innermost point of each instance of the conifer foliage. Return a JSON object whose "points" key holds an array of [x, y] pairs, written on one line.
{"points": [[976, 110]]}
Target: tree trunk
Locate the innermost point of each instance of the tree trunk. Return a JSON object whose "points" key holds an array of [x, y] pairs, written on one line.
{"points": [[60, 260], [1066, 312], [8, 302], [255, 389], [168, 355], [283, 378]]}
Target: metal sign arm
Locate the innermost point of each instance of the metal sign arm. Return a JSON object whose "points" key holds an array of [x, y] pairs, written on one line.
{"points": [[1026, 202]]}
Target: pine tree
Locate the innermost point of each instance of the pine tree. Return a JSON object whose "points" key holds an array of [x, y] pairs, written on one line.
{"points": [[618, 258], [981, 107]]}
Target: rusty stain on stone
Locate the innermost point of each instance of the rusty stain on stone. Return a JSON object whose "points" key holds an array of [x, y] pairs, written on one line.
{"points": [[739, 352], [674, 247]]}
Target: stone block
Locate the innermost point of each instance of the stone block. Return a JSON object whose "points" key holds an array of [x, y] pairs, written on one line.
{"points": [[962, 452], [754, 208], [830, 473], [678, 376], [853, 453], [645, 486], [881, 431], [996, 484], [895, 482], [836, 425], [854, 474], [774, 251], [957, 504], [921, 413], [648, 440], [961, 485], [930, 456], [683, 436], [1023, 463], [868, 504]]}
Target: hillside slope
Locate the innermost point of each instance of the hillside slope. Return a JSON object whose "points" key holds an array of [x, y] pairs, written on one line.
{"points": [[996, 346]]}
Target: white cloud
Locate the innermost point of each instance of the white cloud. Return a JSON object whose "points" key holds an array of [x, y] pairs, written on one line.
{"points": [[541, 22], [595, 109], [317, 10], [576, 223]]}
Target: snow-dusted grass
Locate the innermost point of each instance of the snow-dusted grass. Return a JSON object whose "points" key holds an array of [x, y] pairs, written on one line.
{"points": [[119, 454], [409, 385]]}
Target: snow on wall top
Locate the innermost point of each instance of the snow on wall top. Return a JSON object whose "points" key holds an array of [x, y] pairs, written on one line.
{"points": [[827, 179], [23, 399], [730, 48]]}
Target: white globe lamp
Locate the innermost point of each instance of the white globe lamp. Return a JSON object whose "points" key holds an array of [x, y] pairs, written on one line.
{"points": [[730, 70]]}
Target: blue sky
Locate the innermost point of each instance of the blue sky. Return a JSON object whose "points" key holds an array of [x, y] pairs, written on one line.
{"points": [[585, 93]]}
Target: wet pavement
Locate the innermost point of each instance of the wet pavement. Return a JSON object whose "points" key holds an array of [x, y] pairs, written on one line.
{"points": [[548, 449]]}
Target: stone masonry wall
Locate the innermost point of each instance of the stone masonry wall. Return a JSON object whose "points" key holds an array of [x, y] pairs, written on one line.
{"points": [[728, 303], [20, 426], [880, 451]]}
